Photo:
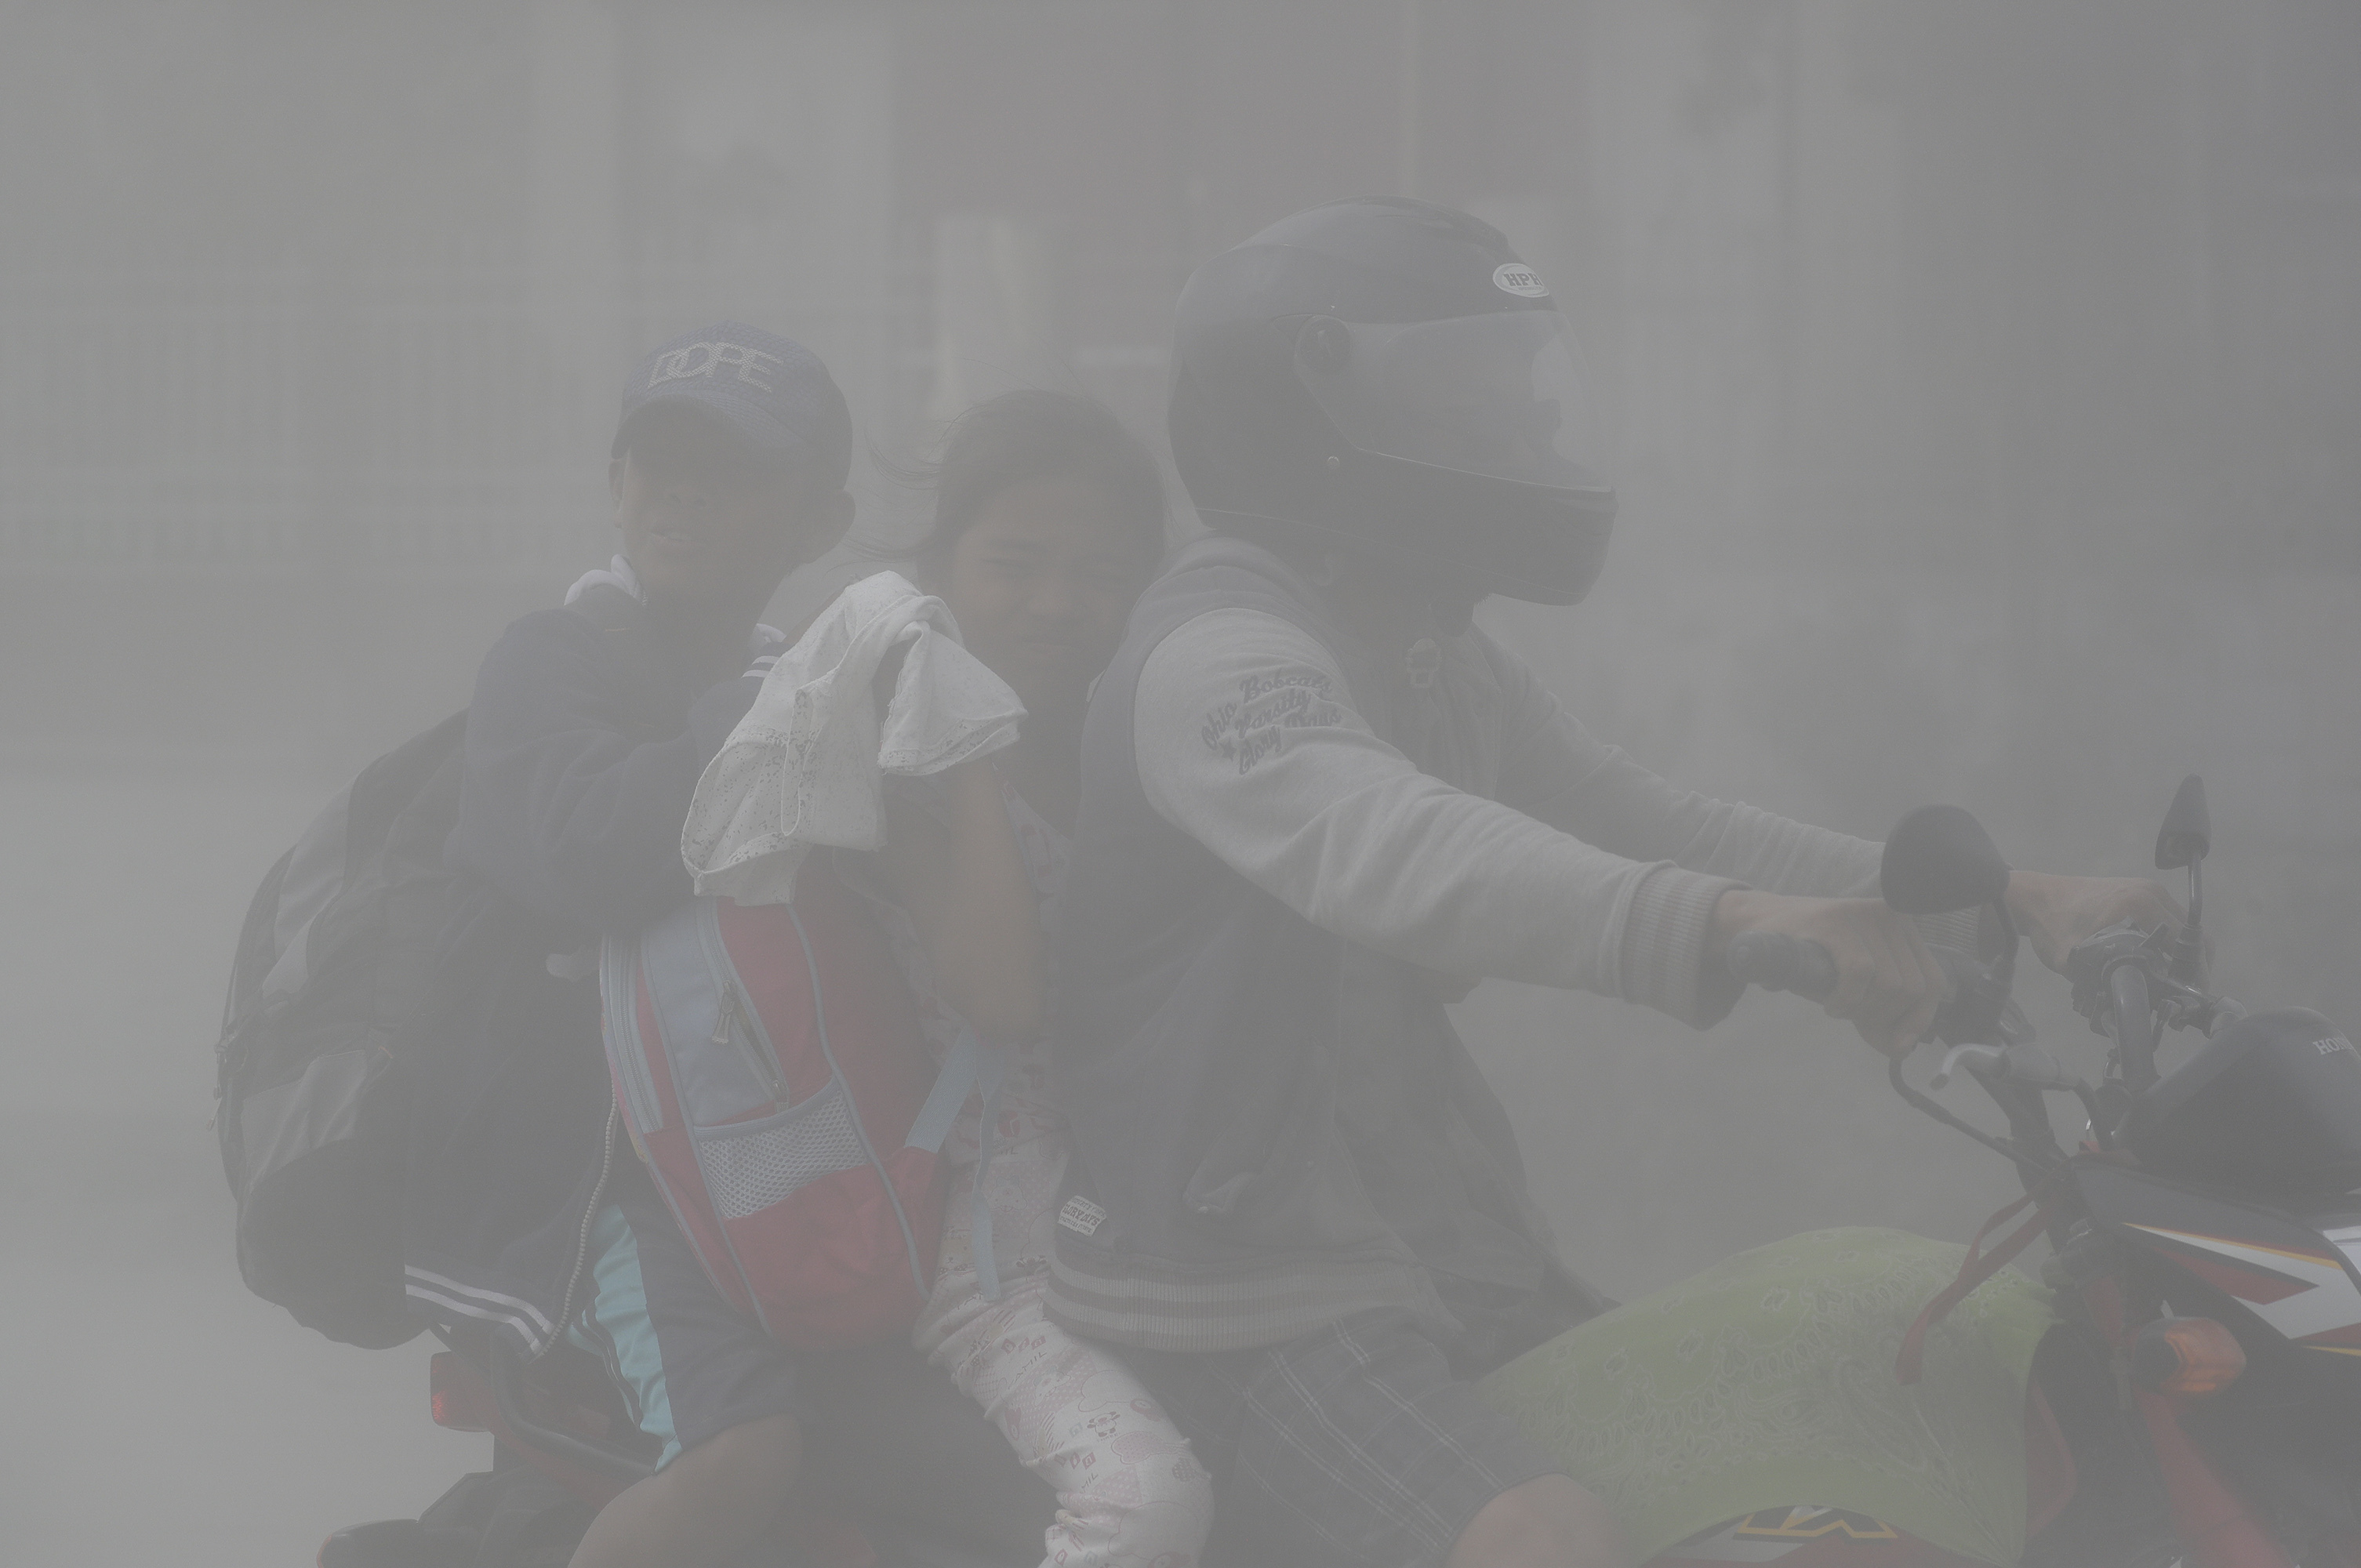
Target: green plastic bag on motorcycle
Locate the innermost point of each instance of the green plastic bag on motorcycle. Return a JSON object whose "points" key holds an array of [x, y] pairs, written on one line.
{"points": [[1768, 1381]]}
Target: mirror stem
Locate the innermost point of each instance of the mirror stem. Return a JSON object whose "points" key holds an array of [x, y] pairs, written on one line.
{"points": [[2005, 962], [2188, 948]]}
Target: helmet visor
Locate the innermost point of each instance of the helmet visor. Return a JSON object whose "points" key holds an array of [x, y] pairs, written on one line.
{"points": [[1499, 395]]}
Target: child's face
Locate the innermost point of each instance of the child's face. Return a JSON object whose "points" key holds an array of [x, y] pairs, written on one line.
{"points": [[705, 522], [1040, 583]]}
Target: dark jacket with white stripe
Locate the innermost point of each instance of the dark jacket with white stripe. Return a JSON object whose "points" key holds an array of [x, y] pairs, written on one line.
{"points": [[1290, 853], [1274, 1126], [583, 745]]}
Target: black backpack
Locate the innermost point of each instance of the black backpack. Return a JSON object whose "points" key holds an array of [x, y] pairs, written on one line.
{"points": [[337, 958]]}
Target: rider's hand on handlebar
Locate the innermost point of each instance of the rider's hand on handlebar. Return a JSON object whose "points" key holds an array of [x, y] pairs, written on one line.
{"points": [[2057, 911], [1888, 984]]}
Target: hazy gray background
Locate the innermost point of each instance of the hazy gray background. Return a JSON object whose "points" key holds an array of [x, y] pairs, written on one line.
{"points": [[1985, 382]]}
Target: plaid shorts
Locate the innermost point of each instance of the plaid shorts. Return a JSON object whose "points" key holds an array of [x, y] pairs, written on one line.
{"points": [[1351, 1447]]}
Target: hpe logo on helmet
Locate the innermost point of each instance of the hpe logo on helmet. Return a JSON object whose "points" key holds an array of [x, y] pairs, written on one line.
{"points": [[704, 358], [1517, 278]]}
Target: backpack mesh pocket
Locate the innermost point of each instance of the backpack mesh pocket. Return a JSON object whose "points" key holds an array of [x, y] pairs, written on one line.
{"points": [[749, 1167]]}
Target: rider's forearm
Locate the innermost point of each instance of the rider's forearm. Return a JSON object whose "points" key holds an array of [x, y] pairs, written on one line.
{"points": [[1561, 773], [1568, 778], [1245, 740], [1252, 750]]}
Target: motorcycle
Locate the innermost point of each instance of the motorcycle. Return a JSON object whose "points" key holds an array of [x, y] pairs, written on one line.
{"points": [[2197, 1406], [2205, 1381]]}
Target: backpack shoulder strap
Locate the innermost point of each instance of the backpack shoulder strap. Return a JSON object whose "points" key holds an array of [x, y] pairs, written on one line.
{"points": [[619, 619], [622, 623], [969, 1066], [972, 1068]]}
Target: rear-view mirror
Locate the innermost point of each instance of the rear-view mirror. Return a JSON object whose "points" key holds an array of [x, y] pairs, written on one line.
{"points": [[2187, 830], [1938, 859]]}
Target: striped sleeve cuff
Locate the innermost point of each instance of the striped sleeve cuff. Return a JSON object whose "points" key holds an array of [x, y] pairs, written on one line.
{"points": [[1664, 948], [1962, 931]]}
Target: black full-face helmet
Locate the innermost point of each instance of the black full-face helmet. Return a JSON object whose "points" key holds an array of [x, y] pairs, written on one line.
{"points": [[1385, 375]]}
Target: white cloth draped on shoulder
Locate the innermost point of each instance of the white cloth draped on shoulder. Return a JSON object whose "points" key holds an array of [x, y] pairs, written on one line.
{"points": [[807, 764]]}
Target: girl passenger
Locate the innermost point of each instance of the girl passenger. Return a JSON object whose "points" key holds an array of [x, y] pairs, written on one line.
{"points": [[1049, 521]]}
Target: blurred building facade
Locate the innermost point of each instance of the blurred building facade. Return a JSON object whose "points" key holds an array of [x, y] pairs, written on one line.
{"points": [[378, 271]]}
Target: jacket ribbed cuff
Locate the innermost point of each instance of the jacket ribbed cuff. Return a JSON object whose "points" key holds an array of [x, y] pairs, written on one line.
{"points": [[1664, 948], [1962, 931]]}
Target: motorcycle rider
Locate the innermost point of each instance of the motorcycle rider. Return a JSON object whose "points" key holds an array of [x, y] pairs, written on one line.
{"points": [[1316, 805]]}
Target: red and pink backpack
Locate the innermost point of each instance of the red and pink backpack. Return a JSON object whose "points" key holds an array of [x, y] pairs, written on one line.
{"points": [[770, 1064]]}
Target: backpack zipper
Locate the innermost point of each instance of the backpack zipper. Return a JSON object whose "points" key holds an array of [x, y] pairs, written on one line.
{"points": [[731, 1023], [582, 1238], [728, 1032]]}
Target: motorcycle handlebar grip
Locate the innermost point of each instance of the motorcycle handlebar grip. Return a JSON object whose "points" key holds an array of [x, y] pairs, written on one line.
{"points": [[1776, 961]]}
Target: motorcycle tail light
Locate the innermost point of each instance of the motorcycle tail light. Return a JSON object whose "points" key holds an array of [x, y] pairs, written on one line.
{"points": [[459, 1400], [2186, 1355]]}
